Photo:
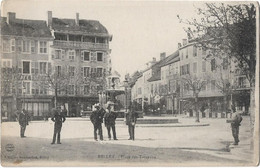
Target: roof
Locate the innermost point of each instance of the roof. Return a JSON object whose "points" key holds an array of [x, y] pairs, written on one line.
{"points": [[156, 68], [28, 28], [175, 58], [87, 26]]}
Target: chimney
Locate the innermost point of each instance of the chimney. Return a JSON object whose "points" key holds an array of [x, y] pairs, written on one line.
{"points": [[162, 55], [179, 45], [184, 42], [77, 19], [10, 17], [49, 21], [154, 59]]}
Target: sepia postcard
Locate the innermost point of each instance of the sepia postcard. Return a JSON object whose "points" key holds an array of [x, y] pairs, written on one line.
{"points": [[129, 83]]}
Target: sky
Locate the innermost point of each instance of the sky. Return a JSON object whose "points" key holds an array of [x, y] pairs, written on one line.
{"points": [[141, 30]]}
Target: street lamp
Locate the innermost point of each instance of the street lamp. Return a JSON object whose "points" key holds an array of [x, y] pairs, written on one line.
{"points": [[126, 86]]}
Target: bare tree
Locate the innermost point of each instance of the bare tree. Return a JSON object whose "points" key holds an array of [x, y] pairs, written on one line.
{"points": [[230, 29], [11, 84], [195, 84]]}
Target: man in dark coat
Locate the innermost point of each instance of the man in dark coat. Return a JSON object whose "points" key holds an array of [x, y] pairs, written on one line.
{"points": [[131, 118], [58, 118], [110, 122], [23, 121], [235, 123], [96, 118]]}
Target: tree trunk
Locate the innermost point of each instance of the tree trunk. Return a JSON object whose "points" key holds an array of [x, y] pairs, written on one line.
{"points": [[55, 98], [196, 108], [252, 115], [225, 104]]}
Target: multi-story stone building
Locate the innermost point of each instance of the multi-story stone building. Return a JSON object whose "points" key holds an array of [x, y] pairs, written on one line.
{"points": [[61, 62], [81, 48], [170, 74], [215, 76], [25, 61], [216, 80]]}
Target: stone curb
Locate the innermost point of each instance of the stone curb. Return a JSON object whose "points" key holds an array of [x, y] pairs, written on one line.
{"points": [[172, 125]]}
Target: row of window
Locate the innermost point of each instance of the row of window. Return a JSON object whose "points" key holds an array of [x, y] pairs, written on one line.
{"points": [[24, 46], [185, 69], [42, 68], [211, 85], [35, 90], [80, 38], [85, 55], [196, 51]]}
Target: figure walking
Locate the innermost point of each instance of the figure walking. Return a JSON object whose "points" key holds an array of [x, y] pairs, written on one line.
{"points": [[110, 122], [58, 119], [235, 123], [131, 118], [23, 121], [96, 118]]}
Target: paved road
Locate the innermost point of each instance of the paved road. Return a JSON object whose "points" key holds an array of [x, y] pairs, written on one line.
{"points": [[174, 146]]}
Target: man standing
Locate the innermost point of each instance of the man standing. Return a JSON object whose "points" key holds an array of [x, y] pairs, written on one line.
{"points": [[131, 118], [58, 118], [110, 122], [23, 121], [235, 123], [96, 118]]}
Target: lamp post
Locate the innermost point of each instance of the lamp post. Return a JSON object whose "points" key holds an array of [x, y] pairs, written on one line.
{"points": [[126, 86]]}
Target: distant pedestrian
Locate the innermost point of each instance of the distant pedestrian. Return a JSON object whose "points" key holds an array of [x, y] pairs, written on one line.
{"points": [[110, 122], [235, 123], [96, 118], [58, 118], [23, 121], [131, 118]]}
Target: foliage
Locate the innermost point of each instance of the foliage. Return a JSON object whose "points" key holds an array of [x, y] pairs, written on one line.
{"points": [[230, 29]]}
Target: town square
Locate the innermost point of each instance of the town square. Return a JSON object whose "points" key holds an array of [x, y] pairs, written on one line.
{"points": [[129, 83]]}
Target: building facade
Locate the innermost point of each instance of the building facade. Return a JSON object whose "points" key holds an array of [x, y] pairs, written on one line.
{"points": [[25, 61], [57, 62], [81, 50]]}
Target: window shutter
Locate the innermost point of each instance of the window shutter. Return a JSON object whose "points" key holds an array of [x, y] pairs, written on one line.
{"points": [[82, 71], [49, 68], [36, 46], [82, 55], [104, 57], [104, 72], [32, 67], [52, 54], [63, 53], [93, 56], [36, 67], [81, 89]]}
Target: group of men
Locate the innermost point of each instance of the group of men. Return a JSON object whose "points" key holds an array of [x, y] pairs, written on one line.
{"points": [[109, 117]]}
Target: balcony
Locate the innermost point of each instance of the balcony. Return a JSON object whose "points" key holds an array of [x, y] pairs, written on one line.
{"points": [[80, 45]]}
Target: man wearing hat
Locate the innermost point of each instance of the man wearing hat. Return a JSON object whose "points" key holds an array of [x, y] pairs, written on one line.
{"points": [[131, 118], [23, 121], [235, 123], [110, 121], [58, 119], [96, 118]]}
